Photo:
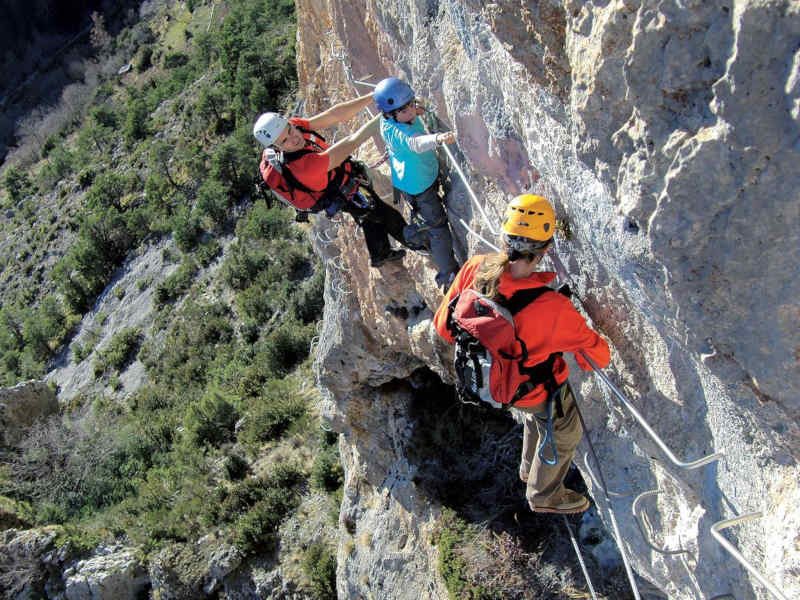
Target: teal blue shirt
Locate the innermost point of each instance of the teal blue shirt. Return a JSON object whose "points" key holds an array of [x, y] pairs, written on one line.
{"points": [[412, 172]]}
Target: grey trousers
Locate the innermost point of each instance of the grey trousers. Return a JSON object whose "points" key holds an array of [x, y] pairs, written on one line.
{"points": [[430, 219], [546, 482]]}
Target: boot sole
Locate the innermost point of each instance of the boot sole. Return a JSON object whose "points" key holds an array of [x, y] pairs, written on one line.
{"points": [[562, 511]]}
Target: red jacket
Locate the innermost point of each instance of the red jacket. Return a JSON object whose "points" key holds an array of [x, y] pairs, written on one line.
{"points": [[550, 324], [309, 167]]}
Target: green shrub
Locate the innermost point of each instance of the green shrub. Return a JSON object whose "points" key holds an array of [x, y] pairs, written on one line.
{"points": [[453, 567], [172, 60], [265, 223], [143, 59], [212, 202], [48, 145], [242, 264], [104, 238], [231, 164], [319, 565], [275, 499], [135, 125], [326, 472], [164, 196], [16, 183], [232, 503], [103, 115], [258, 528], [186, 229], [309, 301], [236, 467], [198, 334], [80, 352], [288, 346], [211, 420], [120, 351], [107, 191], [44, 328], [86, 177], [272, 414], [208, 251], [176, 284], [59, 165]]}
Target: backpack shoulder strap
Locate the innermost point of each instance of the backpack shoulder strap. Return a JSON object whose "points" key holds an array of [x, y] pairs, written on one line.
{"points": [[316, 133], [543, 371], [523, 298]]}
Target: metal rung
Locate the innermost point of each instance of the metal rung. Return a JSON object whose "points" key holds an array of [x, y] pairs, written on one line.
{"points": [[562, 273], [649, 430], [638, 515], [724, 524]]}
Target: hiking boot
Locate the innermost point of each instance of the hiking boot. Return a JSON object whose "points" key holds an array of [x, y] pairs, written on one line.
{"points": [[390, 256], [567, 503]]}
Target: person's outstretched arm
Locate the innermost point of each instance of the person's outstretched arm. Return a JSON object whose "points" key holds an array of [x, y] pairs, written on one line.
{"points": [[574, 335], [339, 112], [345, 147]]}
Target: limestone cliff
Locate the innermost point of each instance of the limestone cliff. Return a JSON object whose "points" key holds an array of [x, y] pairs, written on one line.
{"points": [[668, 134]]}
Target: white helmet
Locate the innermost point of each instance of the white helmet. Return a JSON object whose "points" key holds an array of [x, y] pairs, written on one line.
{"points": [[268, 127]]}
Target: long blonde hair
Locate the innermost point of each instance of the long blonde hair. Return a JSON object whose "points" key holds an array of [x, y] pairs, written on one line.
{"points": [[487, 278]]}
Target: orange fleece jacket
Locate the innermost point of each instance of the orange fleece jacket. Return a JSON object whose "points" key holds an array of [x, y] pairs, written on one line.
{"points": [[550, 324]]}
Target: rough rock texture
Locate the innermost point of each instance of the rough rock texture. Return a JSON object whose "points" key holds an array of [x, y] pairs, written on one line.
{"points": [[192, 570], [30, 564], [21, 406], [114, 574], [668, 134]]}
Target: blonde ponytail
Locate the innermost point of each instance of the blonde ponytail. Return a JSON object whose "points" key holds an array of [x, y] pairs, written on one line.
{"points": [[488, 275]]}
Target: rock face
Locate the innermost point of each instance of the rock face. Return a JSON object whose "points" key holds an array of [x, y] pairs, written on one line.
{"points": [[23, 561], [21, 406], [668, 134], [113, 574]]}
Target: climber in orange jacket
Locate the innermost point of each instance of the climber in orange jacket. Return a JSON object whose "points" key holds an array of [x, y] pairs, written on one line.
{"points": [[548, 326]]}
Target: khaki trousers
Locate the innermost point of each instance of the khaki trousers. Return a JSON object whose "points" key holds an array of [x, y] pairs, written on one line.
{"points": [[546, 482]]}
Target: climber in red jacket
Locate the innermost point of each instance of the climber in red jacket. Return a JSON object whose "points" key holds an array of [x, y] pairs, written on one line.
{"points": [[313, 176], [548, 326]]}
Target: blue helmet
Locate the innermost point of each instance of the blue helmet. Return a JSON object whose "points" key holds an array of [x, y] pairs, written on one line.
{"points": [[392, 93]]}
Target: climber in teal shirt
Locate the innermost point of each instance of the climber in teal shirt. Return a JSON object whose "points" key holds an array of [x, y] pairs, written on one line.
{"points": [[415, 172]]}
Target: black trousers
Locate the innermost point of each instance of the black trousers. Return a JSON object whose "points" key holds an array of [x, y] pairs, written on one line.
{"points": [[378, 223]]}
